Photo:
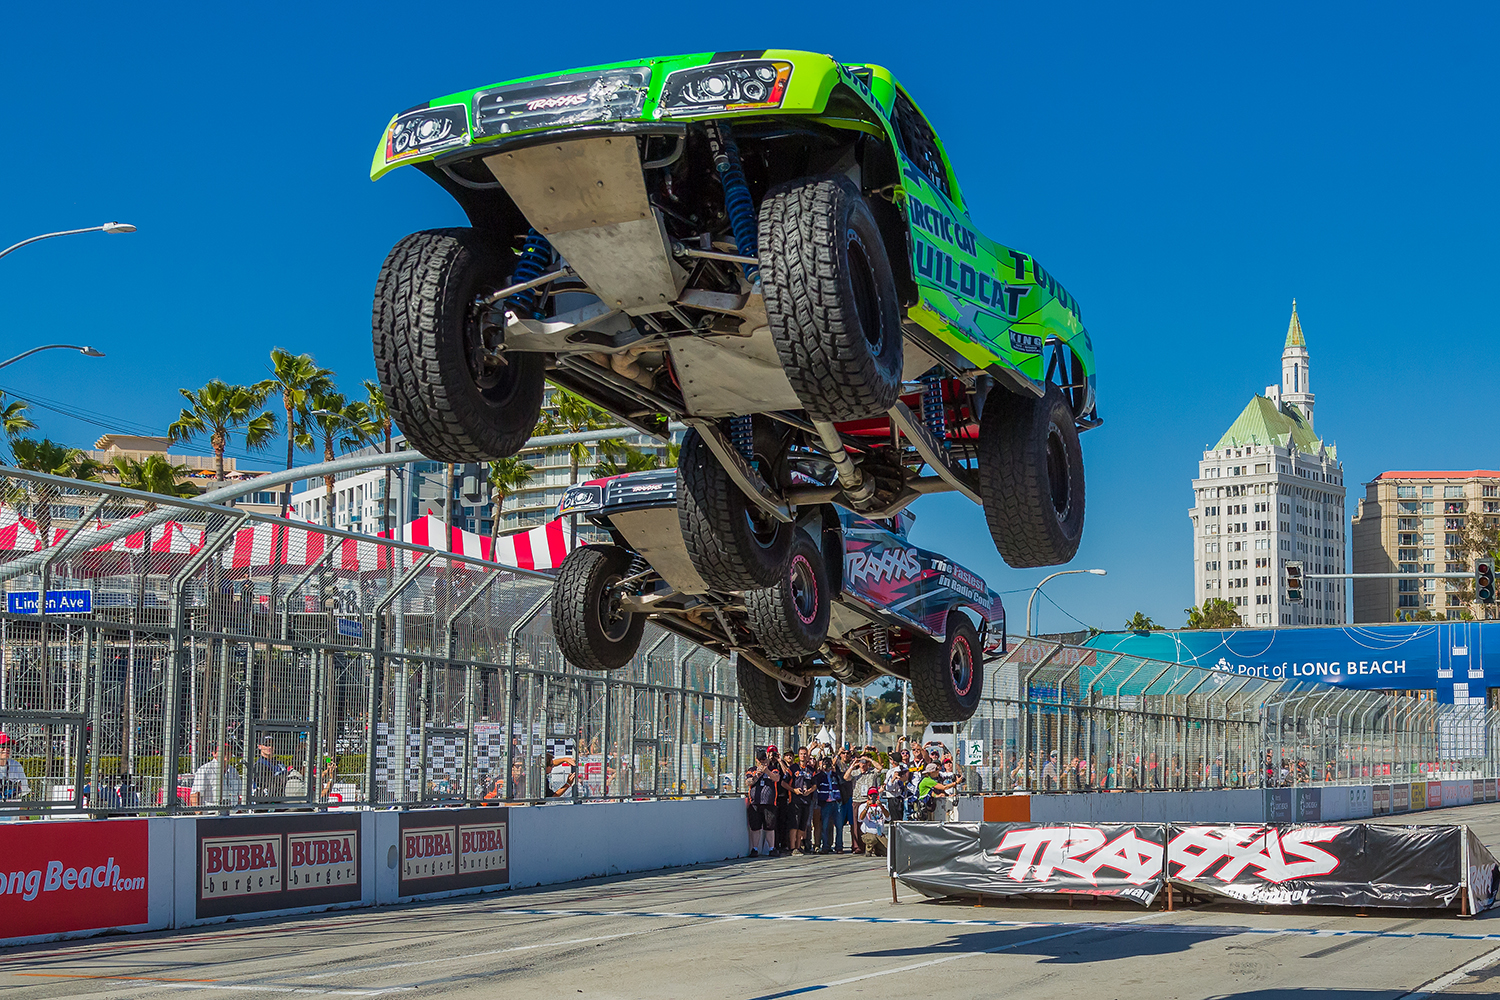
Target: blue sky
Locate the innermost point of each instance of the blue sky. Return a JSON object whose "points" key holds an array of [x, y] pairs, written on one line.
{"points": [[1185, 170]]}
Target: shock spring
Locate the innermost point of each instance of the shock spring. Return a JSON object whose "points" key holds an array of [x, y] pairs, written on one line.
{"points": [[536, 258], [934, 413], [738, 204]]}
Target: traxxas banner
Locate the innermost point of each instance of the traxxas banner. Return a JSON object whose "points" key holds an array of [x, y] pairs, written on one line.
{"points": [[1331, 865], [1011, 859], [1353, 864]]}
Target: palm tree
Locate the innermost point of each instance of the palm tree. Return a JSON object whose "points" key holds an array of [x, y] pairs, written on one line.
{"points": [[379, 415], [622, 458], [332, 415], [570, 414], [13, 419], [296, 378], [54, 459], [219, 409], [507, 476], [154, 474], [1140, 622], [1215, 613]]}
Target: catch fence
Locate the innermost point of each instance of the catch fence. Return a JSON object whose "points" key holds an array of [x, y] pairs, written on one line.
{"points": [[377, 672], [1059, 718]]}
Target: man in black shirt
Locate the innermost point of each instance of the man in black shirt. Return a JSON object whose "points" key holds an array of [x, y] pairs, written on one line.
{"points": [[760, 791]]}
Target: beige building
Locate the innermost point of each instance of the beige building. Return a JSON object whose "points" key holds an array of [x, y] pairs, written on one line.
{"points": [[1413, 522], [200, 467], [1271, 492]]}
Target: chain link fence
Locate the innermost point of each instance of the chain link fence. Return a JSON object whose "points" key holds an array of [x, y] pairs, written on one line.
{"points": [[1060, 718], [192, 656]]}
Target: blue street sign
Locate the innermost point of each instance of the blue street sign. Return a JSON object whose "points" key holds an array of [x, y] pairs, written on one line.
{"points": [[59, 602], [351, 627]]}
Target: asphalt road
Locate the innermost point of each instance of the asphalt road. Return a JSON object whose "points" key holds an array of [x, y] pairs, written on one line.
{"points": [[771, 928]]}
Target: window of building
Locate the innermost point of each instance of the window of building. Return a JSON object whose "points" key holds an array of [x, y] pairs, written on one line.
{"points": [[1492, 491], [1453, 492], [1427, 491], [1406, 492], [1263, 467]]}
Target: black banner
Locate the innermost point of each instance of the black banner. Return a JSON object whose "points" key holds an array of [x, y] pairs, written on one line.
{"points": [[1483, 877], [1011, 859], [446, 849], [254, 864], [1330, 865]]}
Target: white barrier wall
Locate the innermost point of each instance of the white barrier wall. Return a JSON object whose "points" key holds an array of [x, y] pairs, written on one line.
{"points": [[1217, 806], [185, 871]]}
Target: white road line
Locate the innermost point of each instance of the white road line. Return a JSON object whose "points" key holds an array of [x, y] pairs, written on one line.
{"points": [[832, 906], [1441, 983], [975, 954]]}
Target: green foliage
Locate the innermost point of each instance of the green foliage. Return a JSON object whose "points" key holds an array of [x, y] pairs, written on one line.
{"points": [[154, 474], [218, 410], [618, 457], [54, 459], [1215, 613], [1139, 622], [297, 379]]}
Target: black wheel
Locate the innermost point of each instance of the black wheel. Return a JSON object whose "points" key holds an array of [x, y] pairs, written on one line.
{"points": [[947, 677], [791, 617], [770, 702], [732, 543], [591, 628], [831, 298], [1031, 477], [454, 403]]}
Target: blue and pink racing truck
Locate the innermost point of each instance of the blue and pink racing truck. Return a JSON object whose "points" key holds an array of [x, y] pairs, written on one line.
{"points": [[857, 600]]}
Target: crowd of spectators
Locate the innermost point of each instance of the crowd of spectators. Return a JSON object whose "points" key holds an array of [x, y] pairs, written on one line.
{"points": [[800, 801]]}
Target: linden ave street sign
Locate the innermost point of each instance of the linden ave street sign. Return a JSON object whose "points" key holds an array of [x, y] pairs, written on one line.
{"points": [[59, 602]]}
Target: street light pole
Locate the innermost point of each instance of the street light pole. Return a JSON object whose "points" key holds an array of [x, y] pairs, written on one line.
{"points": [[108, 227], [1031, 602], [86, 351]]}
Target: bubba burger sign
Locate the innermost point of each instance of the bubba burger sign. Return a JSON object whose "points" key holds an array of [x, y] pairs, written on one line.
{"points": [[443, 850], [61, 877], [249, 865]]}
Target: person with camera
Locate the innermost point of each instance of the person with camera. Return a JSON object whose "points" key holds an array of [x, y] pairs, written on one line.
{"points": [[761, 782], [861, 776], [830, 801]]}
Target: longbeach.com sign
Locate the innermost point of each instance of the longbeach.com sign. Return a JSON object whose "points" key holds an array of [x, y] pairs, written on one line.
{"points": [[446, 849], [256, 864], [61, 877]]}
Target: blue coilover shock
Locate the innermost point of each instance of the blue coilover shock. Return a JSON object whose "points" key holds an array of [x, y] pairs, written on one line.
{"points": [[742, 436], [536, 258], [737, 202], [934, 414]]}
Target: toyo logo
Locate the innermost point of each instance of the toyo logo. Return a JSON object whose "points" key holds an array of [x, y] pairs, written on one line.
{"points": [[876, 565]]}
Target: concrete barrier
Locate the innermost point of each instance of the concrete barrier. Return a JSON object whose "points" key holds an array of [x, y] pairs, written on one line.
{"points": [[77, 878]]}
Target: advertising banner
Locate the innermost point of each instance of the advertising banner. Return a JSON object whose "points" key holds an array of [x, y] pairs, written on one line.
{"points": [[443, 849], [61, 877], [252, 864], [1380, 800], [1435, 795], [1483, 877], [1010, 859], [1330, 865], [1418, 796], [1400, 798]]}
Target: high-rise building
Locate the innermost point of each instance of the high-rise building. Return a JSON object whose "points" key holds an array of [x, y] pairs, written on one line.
{"points": [[1268, 493], [1417, 523]]}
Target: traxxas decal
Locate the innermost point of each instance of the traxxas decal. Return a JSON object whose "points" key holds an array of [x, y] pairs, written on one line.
{"points": [[1226, 851], [875, 565]]}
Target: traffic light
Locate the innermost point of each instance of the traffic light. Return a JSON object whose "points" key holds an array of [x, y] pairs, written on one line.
{"points": [[1293, 582], [1484, 581]]}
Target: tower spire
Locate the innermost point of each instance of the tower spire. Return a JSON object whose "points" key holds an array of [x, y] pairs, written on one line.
{"points": [[1296, 378]]}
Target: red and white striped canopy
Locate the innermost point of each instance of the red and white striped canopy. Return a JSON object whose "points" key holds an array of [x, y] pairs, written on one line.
{"points": [[289, 543]]}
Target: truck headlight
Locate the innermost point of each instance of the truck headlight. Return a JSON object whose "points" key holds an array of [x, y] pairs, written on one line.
{"points": [[734, 86], [421, 131]]}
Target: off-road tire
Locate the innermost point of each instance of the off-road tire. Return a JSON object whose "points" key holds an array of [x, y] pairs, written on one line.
{"points": [[1031, 477], [944, 692], [790, 618], [731, 544], [770, 702], [831, 298], [424, 313], [586, 633]]}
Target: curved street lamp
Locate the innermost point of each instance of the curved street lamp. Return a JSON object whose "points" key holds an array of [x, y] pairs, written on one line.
{"points": [[108, 227], [86, 351], [1031, 602]]}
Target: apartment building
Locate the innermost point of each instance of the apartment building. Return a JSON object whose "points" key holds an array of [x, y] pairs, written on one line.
{"points": [[1415, 523]]}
